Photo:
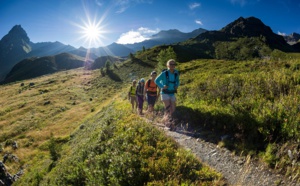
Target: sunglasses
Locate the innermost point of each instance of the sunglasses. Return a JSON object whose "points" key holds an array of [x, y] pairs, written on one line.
{"points": [[172, 64]]}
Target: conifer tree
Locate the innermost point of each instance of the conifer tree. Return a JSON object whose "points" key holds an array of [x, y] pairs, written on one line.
{"points": [[164, 56]]}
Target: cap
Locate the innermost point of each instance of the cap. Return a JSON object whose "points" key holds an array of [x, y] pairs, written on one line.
{"points": [[153, 72], [142, 80], [134, 81]]}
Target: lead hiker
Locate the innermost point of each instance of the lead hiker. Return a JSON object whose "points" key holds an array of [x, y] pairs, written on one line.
{"points": [[168, 82], [140, 95], [151, 91], [132, 95]]}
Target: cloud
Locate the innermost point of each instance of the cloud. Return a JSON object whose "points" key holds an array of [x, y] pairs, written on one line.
{"points": [[123, 5], [280, 33], [194, 5], [240, 2], [199, 22], [99, 3], [136, 36]]}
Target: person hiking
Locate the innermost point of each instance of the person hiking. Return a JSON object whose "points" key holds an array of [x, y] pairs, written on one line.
{"points": [[140, 95], [168, 82], [132, 95], [151, 93]]}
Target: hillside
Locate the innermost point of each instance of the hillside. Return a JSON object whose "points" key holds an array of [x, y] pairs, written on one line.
{"points": [[69, 124], [38, 66], [53, 120]]}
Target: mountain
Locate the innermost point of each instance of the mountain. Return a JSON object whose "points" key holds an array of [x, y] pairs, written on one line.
{"points": [[100, 61], [38, 66], [292, 38], [254, 27], [242, 38], [165, 37], [13, 47], [113, 49], [49, 48]]}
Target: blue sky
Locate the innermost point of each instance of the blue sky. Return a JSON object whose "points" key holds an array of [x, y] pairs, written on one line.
{"points": [[95, 23]]}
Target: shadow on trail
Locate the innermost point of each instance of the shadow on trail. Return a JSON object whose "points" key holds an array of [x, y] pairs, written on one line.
{"points": [[238, 132]]}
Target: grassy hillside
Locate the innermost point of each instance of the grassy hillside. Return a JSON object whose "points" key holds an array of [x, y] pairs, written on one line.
{"points": [[75, 128], [250, 107]]}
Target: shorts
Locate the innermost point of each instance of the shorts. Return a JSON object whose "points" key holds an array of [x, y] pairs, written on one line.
{"points": [[151, 99], [165, 97], [133, 99]]}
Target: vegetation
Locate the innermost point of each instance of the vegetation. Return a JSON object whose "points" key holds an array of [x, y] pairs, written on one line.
{"points": [[163, 56], [255, 104], [75, 127]]}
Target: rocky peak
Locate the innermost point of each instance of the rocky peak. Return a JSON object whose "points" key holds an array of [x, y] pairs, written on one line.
{"points": [[250, 27], [16, 35]]}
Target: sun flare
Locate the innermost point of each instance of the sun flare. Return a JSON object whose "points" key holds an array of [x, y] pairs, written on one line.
{"points": [[92, 32]]}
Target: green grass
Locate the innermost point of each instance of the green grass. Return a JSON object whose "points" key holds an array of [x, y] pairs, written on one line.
{"points": [[75, 128], [255, 102]]}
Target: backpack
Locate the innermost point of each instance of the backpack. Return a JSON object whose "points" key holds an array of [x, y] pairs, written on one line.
{"points": [[167, 74], [149, 82], [148, 85]]}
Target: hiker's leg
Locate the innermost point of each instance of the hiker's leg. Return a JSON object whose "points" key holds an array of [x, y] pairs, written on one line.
{"points": [[167, 104], [151, 102], [140, 103], [173, 104], [132, 102]]}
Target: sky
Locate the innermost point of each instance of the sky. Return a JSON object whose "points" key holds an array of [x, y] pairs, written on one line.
{"points": [[96, 23]]}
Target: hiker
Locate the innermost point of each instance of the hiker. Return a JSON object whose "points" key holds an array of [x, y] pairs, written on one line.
{"points": [[151, 93], [140, 95], [168, 82], [132, 95]]}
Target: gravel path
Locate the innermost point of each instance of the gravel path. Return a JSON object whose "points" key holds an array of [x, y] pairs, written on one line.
{"points": [[238, 171]]}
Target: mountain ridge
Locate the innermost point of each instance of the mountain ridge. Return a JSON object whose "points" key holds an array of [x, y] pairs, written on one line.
{"points": [[199, 43]]}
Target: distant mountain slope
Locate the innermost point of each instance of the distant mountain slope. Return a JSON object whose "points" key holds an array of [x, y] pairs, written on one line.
{"points": [[13, 47], [254, 27], [35, 66], [165, 37], [292, 38], [100, 61], [113, 49], [49, 48], [204, 45]]}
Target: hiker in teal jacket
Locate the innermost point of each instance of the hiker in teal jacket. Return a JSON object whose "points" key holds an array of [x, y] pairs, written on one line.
{"points": [[168, 82]]}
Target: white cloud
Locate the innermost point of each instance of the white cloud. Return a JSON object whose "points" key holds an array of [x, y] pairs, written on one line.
{"points": [[139, 35], [241, 2], [281, 33], [194, 5], [199, 22]]}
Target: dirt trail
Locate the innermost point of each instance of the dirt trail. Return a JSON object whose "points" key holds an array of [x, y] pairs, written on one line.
{"points": [[239, 171]]}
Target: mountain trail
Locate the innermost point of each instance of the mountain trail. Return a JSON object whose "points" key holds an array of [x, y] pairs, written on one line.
{"points": [[237, 170]]}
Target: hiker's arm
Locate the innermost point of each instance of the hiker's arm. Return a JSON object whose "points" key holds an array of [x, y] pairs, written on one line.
{"points": [[158, 81]]}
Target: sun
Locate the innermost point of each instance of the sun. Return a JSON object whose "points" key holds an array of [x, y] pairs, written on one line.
{"points": [[91, 32]]}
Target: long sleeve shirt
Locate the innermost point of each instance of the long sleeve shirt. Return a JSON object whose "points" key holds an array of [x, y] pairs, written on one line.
{"points": [[172, 82]]}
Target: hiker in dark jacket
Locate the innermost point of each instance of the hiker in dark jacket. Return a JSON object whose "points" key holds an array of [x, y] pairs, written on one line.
{"points": [[151, 91], [168, 82], [140, 95]]}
